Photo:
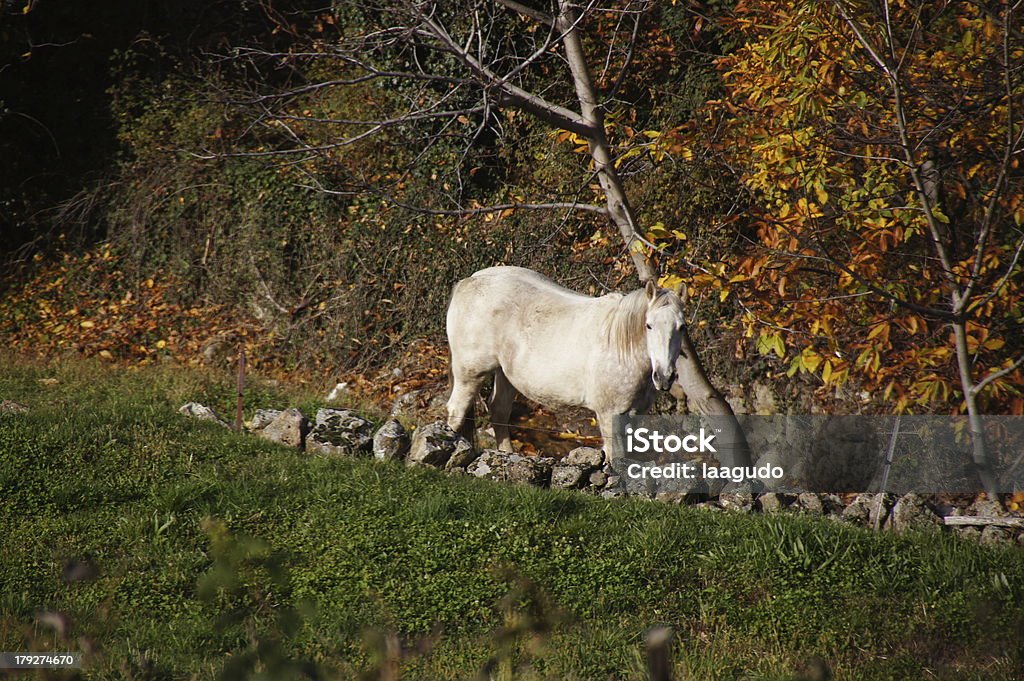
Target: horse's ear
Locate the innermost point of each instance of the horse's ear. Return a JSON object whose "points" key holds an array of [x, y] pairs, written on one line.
{"points": [[680, 290], [651, 289]]}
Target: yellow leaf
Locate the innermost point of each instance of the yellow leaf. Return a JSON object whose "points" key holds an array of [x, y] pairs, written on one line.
{"points": [[87, 324], [878, 330], [810, 359], [779, 347], [670, 281], [821, 194]]}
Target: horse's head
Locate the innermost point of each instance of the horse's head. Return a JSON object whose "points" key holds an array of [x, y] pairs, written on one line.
{"points": [[664, 322]]}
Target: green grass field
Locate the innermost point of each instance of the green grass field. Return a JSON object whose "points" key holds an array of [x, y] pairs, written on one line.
{"points": [[179, 550]]}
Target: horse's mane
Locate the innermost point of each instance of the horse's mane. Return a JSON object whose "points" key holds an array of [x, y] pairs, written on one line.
{"points": [[626, 322]]}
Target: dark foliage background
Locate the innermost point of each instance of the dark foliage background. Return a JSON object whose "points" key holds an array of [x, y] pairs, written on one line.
{"points": [[122, 124]]}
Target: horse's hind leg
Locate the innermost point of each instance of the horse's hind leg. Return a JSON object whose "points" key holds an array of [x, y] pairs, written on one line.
{"points": [[501, 410], [465, 386]]}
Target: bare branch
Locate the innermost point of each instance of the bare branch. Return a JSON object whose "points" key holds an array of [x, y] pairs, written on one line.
{"points": [[536, 15], [506, 93], [996, 375]]}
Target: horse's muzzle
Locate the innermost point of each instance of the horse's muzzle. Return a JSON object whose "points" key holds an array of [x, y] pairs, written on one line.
{"points": [[662, 383]]}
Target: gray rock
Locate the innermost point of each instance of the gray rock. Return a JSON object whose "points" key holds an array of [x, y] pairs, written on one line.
{"points": [[567, 476], [597, 478], [809, 502], [911, 512], [739, 496], [433, 445], [987, 508], [737, 501], [495, 465], [534, 471], [201, 412], [682, 490], [340, 431], [463, 455], [485, 438], [833, 504], [391, 441], [753, 487], [588, 457], [996, 536], [490, 464], [635, 487], [772, 502], [968, 532], [289, 428], [869, 509], [859, 510], [12, 407], [262, 418]]}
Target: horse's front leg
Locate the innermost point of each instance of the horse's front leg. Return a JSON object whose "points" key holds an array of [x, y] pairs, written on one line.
{"points": [[606, 422]]}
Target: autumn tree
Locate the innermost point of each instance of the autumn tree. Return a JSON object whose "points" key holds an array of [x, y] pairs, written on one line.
{"points": [[881, 147]]}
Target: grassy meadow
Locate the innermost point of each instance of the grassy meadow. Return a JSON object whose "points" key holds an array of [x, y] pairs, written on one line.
{"points": [[174, 549]]}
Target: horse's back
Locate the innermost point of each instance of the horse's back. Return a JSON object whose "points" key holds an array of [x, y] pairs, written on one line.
{"points": [[506, 281], [539, 333], [516, 298]]}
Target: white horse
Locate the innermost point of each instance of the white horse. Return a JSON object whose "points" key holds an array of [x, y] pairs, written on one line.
{"points": [[558, 347]]}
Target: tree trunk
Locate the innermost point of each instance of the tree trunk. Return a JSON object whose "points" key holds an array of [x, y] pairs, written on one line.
{"points": [[979, 448], [619, 210], [692, 378], [703, 398]]}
